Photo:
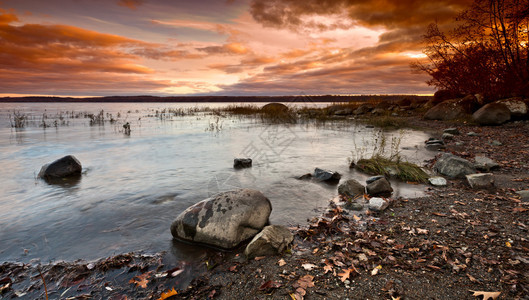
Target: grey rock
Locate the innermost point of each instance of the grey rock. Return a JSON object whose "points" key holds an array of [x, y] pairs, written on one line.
{"points": [[434, 146], [67, 166], [351, 188], [274, 107], [272, 240], [432, 141], [453, 131], [516, 106], [481, 180], [380, 187], [363, 109], [452, 109], [241, 163], [454, 166], [437, 181], [377, 204], [459, 143], [492, 114], [485, 164], [356, 206], [472, 133], [374, 178], [496, 143], [224, 220], [304, 177], [344, 112], [327, 176], [448, 136], [524, 195]]}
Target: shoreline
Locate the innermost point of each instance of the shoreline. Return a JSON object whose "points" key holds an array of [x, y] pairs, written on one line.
{"points": [[440, 246]]}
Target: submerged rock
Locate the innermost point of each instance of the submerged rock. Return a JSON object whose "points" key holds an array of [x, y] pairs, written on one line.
{"points": [[224, 220], [481, 180], [241, 163], [67, 166], [272, 240], [454, 166], [379, 187], [351, 188], [274, 107], [327, 176]]}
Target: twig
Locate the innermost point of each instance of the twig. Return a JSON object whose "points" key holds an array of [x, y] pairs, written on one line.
{"points": [[44, 282]]}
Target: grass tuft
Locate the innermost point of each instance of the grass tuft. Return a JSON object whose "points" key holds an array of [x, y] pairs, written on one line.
{"points": [[405, 171]]}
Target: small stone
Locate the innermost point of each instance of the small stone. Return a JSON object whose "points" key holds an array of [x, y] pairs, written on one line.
{"points": [[351, 188], [432, 141], [459, 143], [496, 143], [362, 257], [437, 181], [241, 163], [485, 164], [481, 180], [304, 177], [524, 195], [377, 204], [472, 133], [354, 206], [380, 187], [374, 178], [347, 282], [272, 240], [453, 131], [327, 176], [448, 136]]}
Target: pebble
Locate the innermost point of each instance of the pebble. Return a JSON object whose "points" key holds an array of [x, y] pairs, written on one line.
{"points": [[472, 133]]}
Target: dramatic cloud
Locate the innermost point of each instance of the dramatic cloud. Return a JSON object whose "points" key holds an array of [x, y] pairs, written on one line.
{"points": [[132, 4], [228, 47]]}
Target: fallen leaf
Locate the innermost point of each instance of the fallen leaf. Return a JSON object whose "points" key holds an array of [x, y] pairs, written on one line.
{"points": [[508, 244], [472, 278], [519, 209], [357, 218], [327, 267], [304, 282], [486, 295], [345, 274], [233, 268], [259, 257], [300, 293], [308, 267], [439, 214], [375, 270], [168, 294], [422, 231], [269, 285], [141, 280], [281, 262]]}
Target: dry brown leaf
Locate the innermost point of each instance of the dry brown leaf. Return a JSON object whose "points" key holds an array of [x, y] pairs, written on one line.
{"points": [[422, 231], [304, 282], [141, 280], [327, 268], [486, 295], [472, 278], [168, 294], [308, 267], [281, 262], [519, 209], [345, 275]]}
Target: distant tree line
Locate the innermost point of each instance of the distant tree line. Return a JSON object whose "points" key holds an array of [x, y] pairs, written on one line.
{"points": [[192, 99], [487, 52]]}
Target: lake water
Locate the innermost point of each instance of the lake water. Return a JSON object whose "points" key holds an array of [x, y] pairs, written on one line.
{"points": [[133, 186]]}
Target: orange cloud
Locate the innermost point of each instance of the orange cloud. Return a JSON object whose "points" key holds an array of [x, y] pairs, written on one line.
{"points": [[231, 48], [132, 4]]}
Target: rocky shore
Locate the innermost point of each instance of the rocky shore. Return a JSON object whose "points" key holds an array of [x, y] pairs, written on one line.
{"points": [[458, 242]]}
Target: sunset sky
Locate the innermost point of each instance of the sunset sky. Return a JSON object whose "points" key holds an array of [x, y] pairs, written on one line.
{"points": [[234, 47]]}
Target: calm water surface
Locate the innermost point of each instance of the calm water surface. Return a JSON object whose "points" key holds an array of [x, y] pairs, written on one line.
{"points": [[134, 186]]}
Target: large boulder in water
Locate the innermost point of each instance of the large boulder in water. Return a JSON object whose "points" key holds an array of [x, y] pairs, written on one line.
{"points": [[326, 176], [492, 114], [224, 220], [454, 166], [351, 188], [274, 107], [67, 166]]}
